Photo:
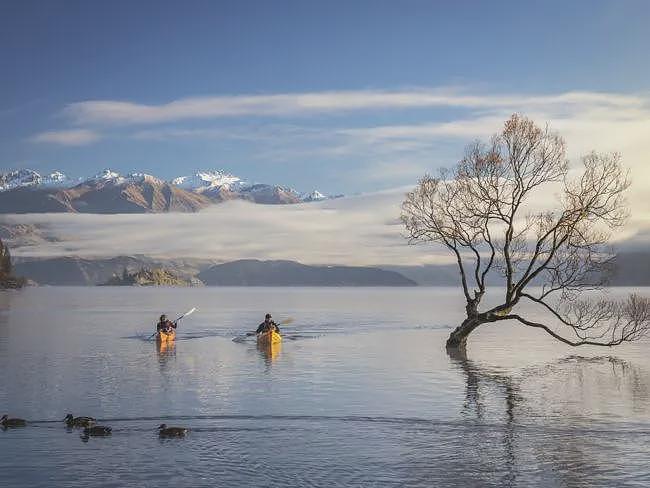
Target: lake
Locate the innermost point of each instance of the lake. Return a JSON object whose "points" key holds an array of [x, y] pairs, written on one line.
{"points": [[361, 393]]}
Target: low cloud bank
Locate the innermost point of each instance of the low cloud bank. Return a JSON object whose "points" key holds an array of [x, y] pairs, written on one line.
{"points": [[360, 230], [357, 230]]}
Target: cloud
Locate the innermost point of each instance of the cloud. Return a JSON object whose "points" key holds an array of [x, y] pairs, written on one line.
{"points": [[464, 128], [357, 147], [266, 132], [73, 137], [292, 104], [361, 230], [586, 120], [357, 230], [618, 128]]}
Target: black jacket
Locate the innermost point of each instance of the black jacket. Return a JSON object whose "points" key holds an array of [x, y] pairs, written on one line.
{"points": [[263, 327], [166, 325]]}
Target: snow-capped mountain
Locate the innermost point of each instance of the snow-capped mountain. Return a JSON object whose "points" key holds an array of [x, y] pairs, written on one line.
{"points": [[111, 192], [314, 196], [110, 177], [107, 175], [209, 180], [29, 178], [106, 192], [221, 185]]}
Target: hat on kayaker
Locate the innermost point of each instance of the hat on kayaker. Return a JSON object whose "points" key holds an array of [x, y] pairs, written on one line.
{"points": [[268, 316], [163, 317]]}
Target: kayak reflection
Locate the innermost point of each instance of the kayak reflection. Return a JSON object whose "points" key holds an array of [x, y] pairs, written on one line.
{"points": [[269, 351], [269, 343], [165, 350]]}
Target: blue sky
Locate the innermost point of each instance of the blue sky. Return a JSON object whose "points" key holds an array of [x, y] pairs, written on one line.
{"points": [[339, 96]]}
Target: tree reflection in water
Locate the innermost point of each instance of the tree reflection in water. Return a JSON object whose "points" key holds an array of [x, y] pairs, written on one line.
{"points": [[555, 421], [475, 378]]}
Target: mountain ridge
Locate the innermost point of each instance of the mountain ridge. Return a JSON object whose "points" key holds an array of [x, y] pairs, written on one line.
{"points": [[631, 269], [75, 271], [255, 272], [27, 191]]}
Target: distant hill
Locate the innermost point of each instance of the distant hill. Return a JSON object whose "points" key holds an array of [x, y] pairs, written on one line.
{"points": [[429, 275], [631, 269], [252, 272], [148, 277], [75, 271]]}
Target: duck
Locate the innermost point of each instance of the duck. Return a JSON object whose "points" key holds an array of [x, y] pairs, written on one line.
{"points": [[6, 422], [97, 431], [165, 431], [72, 421]]}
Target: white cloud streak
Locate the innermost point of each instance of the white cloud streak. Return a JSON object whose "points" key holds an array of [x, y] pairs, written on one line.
{"points": [[73, 137], [292, 104], [466, 129]]}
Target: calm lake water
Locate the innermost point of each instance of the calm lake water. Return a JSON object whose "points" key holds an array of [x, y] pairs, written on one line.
{"points": [[361, 393]]}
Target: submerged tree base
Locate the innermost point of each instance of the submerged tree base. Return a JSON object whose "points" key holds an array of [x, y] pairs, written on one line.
{"points": [[458, 338]]}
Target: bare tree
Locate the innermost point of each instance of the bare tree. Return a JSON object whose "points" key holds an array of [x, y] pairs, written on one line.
{"points": [[484, 211]]}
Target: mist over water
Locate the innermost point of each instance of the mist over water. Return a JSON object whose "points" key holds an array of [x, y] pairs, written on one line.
{"points": [[361, 393], [355, 230]]}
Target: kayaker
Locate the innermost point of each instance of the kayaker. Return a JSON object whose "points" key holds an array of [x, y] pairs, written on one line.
{"points": [[165, 324], [267, 325]]}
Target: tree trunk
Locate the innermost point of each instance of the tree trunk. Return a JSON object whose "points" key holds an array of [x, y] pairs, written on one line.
{"points": [[458, 338]]}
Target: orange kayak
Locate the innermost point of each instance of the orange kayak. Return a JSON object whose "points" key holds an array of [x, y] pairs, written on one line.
{"points": [[268, 338], [163, 336]]}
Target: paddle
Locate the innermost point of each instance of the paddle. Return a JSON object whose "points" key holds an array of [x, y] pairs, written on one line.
{"points": [[175, 321], [185, 314]]}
